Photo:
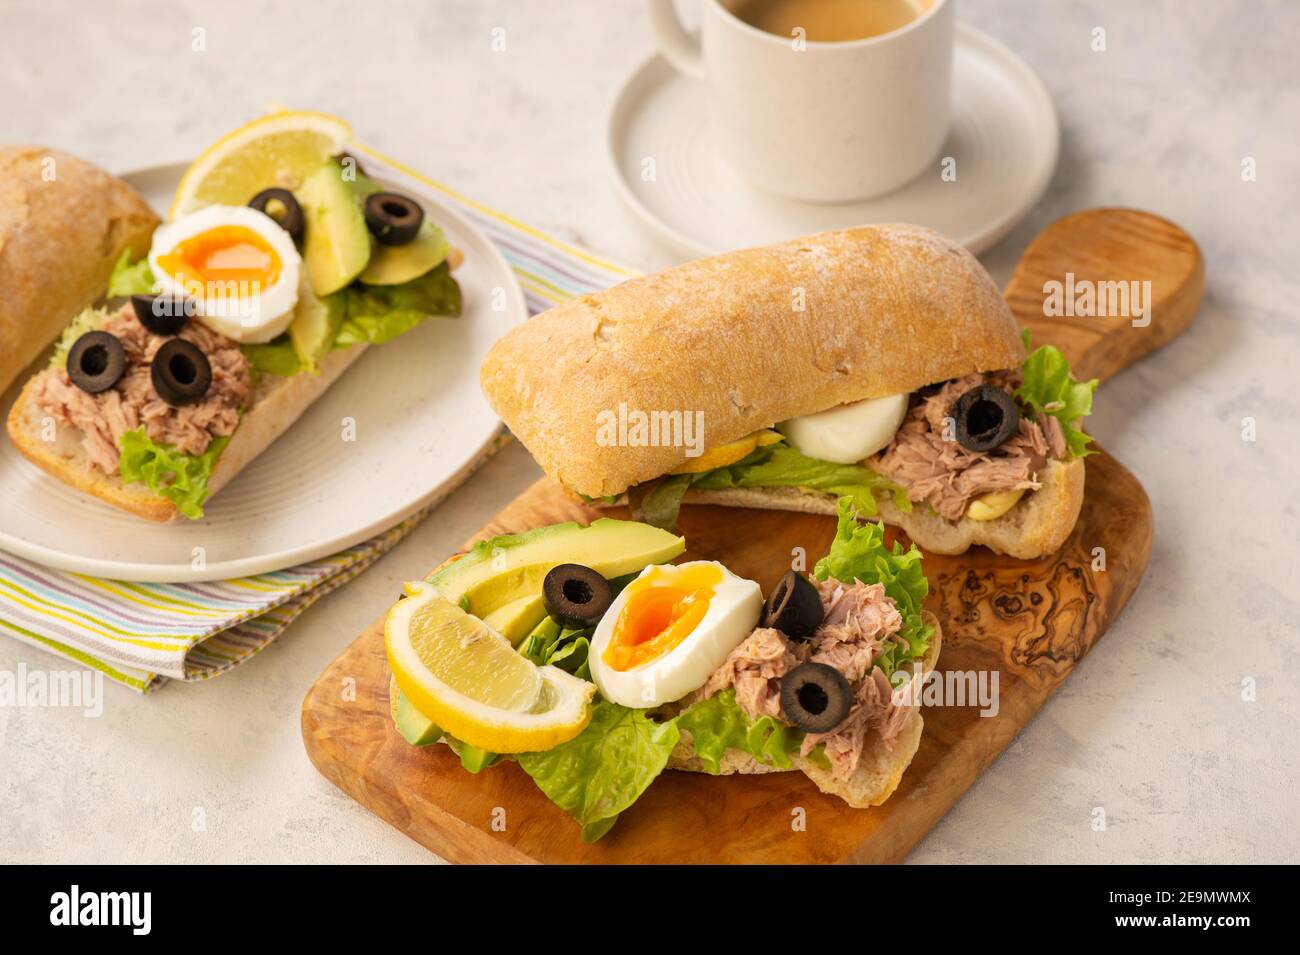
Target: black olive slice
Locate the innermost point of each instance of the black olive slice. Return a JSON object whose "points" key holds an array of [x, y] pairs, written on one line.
{"points": [[286, 212], [815, 697], [986, 417], [96, 361], [576, 596], [393, 219], [161, 314], [793, 607], [180, 372]]}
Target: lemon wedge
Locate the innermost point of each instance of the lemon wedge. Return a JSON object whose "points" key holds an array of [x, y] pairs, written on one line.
{"points": [[276, 150], [469, 680]]}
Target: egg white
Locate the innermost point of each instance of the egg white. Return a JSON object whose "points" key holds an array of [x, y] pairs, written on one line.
{"points": [[848, 433], [732, 615], [257, 319]]}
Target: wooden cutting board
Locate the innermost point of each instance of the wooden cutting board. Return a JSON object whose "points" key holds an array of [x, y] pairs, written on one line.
{"points": [[1031, 621]]}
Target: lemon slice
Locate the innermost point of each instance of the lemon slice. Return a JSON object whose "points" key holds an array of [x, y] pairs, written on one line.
{"points": [[276, 150], [469, 680]]}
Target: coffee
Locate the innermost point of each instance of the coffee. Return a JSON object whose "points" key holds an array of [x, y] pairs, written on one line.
{"points": [[828, 21], [833, 121]]}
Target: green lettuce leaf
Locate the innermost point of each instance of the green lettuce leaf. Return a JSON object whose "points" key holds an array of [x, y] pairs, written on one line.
{"points": [[858, 552], [1048, 387], [128, 279], [537, 646], [549, 643], [168, 473], [718, 724], [663, 502], [605, 768], [776, 465], [276, 357], [571, 655], [88, 320], [566, 648], [780, 465], [380, 313]]}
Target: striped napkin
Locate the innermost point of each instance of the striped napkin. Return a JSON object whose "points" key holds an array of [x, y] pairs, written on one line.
{"points": [[143, 634]]}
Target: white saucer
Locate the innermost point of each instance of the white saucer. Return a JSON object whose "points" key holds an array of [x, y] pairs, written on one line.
{"points": [[1004, 138]]}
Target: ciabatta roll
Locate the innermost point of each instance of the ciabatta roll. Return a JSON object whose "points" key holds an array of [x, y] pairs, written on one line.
{"points": [[748, 340], [63, 224]]}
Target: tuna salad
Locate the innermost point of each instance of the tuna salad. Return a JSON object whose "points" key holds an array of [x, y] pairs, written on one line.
{"points": [[937, 469], [133, 401], [969, 447], [858, 621]]}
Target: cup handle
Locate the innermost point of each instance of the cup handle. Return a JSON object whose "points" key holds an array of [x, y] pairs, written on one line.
{"points": [[680, 48]]}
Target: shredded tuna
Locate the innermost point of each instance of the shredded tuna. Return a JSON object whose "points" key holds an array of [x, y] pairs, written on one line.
{"points": [[132, 402], [755, 669], [859, 619], [878, 706], [947, 476], [1054, 436]]}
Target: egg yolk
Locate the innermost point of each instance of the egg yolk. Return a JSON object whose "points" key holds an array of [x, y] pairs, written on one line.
{"points": [[227, 254], [663, 608]]}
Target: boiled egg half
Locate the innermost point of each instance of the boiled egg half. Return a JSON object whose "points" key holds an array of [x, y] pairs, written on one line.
{"points": [[848, 433], [669, 629], [234, 266]]}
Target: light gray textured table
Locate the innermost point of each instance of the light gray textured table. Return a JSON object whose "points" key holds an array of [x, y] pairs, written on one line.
{"points": [[1152, 727]]}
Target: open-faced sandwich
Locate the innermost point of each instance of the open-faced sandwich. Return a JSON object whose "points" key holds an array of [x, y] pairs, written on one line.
{"points": [[877, 362], [585, 657], [281, 263]]}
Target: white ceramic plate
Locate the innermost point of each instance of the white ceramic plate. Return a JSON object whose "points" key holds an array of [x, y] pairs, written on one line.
{"points": [[421, 424], [1004, 138]]}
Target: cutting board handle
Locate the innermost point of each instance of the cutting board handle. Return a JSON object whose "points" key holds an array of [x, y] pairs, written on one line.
{"points": [[1107, 286]]}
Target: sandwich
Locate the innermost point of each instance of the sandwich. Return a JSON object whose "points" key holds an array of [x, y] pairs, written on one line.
{"points": [[63, 225], [209, 335], [880, 363], [583, 656]]}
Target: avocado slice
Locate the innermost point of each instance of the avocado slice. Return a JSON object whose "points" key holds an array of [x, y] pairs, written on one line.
{"points": [[474, 759], [395, 264], [540, 639], [517, 619], [336, 246], [315, 325], [500, 580], [416, 728]]}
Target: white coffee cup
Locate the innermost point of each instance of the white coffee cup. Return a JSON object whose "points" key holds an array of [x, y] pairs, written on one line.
{"points": [[820, 121]]}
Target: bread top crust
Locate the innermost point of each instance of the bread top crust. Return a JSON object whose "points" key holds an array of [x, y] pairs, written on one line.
{"points": [[744, 340], [63, 225]]}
